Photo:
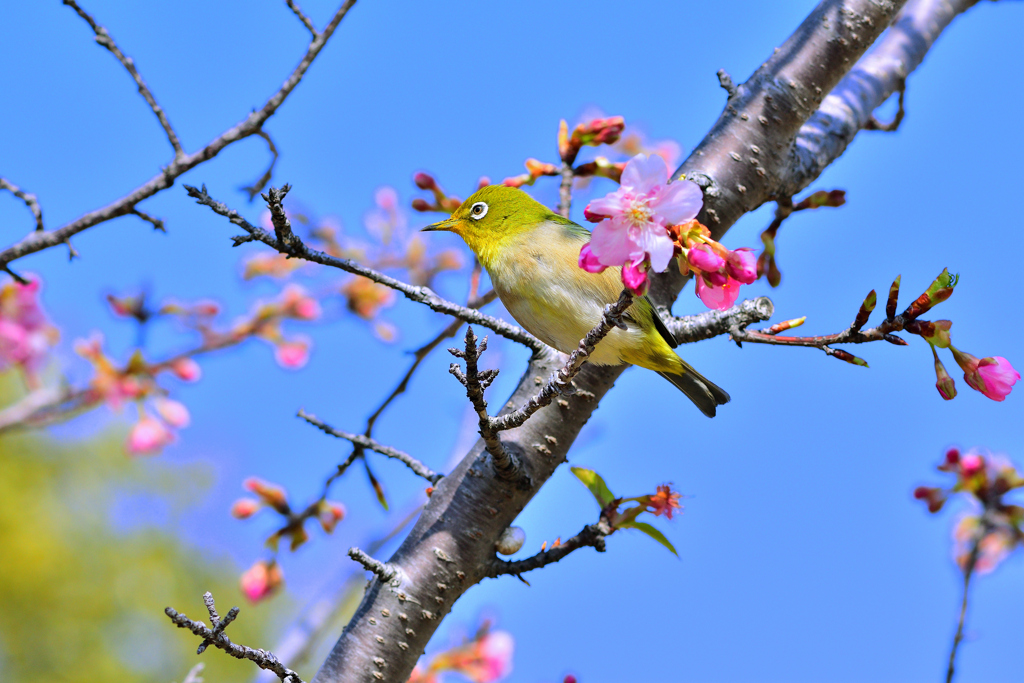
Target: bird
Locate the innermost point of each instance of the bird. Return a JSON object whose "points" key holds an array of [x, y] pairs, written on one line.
{"points": [[532, 253]]}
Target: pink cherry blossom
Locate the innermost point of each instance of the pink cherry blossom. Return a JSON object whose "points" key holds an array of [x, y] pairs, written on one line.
{"points": [[148, 436], [297, 303], [634, 218], [492, 658], [992, 376], [719, 297], [25, 334], [589, 262]]}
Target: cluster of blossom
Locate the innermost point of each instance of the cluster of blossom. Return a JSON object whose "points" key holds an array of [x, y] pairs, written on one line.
{"points": [[486, 658], [648, 221], [26, 336], [993, 376], [160, 417], [392, 247], [264, 577], [664, 501], [983, 539]]}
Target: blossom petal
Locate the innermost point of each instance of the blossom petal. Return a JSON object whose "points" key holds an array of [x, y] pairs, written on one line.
{"points": [[719, 298], [679, 202], [611, 242], [656, 243], [643, 173]]}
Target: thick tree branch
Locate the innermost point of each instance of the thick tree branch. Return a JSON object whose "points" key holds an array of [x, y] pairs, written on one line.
{"points": [[294, 247], [709, 324], [251, 125], [739, 164]]}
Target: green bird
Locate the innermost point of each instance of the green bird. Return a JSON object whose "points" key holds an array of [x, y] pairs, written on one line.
{"points": [[532, 255]]}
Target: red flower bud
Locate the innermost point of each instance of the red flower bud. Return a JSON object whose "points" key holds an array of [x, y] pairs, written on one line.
{"points": [[424, 181]]}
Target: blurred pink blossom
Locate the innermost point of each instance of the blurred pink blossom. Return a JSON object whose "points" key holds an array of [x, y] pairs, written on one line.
{"points": [[25, 334], [261, 580], [148, 436]]}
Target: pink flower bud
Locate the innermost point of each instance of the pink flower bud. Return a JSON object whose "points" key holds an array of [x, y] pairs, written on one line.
{"points": [[634, 277], [292, 354], [386, 198], [992, 376], [261, 580], [702, 258], [148, 436], [186, 370], [593, 217], [424, 181], [944, 383], [244, 508], [173, 413], [420, 204], [589, 262], [718, 297], [271, 494], [716, 279], [971, 464], [742, 265]]}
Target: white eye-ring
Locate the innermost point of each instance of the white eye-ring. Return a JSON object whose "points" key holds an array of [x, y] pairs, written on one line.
{"points": [[478, 210]]}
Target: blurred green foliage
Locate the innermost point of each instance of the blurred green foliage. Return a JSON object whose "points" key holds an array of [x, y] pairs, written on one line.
{"points": [[88, 561]]}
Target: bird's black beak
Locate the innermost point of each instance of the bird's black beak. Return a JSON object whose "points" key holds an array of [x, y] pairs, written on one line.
{"points": [[448, 224]]}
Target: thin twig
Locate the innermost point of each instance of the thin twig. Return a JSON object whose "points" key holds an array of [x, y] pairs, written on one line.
{"points": [[249, 126], [303, 18], [383, 570], [561, 382], [565, 190], [892, 126], [30, 200], [419, 294], [972, 560], [157, 223], [216, 637], [592, 536], [104, 38], [412, 463], [261, 182]]}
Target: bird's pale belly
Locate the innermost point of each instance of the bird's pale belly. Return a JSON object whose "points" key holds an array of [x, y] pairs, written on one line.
{"points": [[560, 317]]}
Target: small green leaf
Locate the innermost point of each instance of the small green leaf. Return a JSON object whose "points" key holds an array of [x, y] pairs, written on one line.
{"points": [[652, 532], [377, 488], [595, 484]]}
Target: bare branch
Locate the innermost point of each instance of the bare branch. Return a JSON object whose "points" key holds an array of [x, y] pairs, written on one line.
{"points": [[592, 536], [561, 382], [419, 294], [104, 39], [216, 637], [565, 189], [303, 18], [251, 125], [261, 182], [362, 441], [158, 223], [709, 324], [386, 572], [30, 200]]}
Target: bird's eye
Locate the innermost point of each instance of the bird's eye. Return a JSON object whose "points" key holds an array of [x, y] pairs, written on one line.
{"points": [[478, 210]]}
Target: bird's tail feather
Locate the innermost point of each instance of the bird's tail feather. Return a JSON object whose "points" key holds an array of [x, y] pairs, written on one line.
{"points": [[705, 394]]}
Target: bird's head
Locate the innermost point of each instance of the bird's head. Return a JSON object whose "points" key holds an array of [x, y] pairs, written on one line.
{"points": [[492, 215]]}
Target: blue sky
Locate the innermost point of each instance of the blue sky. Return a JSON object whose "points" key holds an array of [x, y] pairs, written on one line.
{"points": [[803, 557]]}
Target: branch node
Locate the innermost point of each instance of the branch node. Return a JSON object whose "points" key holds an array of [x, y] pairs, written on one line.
{"points": [[725, 80], [388, 573]]}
